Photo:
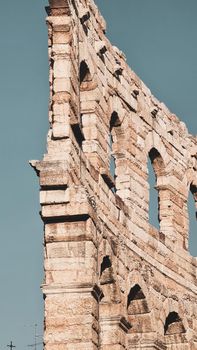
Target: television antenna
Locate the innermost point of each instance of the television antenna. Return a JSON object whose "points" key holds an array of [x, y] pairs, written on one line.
{"points": [[11, 346], [36, 336]]}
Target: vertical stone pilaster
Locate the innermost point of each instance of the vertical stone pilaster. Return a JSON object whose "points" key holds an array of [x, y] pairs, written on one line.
{"points": [[71, 318], [113, 328], [64, 85], [166, 214], [71, 295]]}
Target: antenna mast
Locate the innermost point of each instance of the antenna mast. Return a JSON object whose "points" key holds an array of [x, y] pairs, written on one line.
{"points": [[34, 345]]}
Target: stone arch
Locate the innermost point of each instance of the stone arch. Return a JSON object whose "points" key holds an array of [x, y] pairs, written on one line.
{"points": [[135, 278], [193, 189], [191, 182], [157, 162], [159, 170], [189, 187], [89, 94], [85, 77], [136, 301], [156, 171], [114, 132], [118, 141], [139, 305], [191, 215], [173, 319], [115, 104], [173, 324], [153, 140], [107, 272], [114, 120], [169, 198], [190, 177], [114, 139]]}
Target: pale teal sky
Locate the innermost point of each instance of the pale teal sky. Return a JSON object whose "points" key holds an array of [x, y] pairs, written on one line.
{"points": [[159, 39]]}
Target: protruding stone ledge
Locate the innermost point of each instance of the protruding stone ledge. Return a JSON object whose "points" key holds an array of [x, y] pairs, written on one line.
{"points": [[114, 329], [146, 342], [117, 321], [73, 288], [79, 205], [97, 293], [54, 196]]}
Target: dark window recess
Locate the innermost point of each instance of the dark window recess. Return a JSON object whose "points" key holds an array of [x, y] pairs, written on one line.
{"points": [[154, 112], [118, 73], [109, 180], [135, 294], [135, 93], [157, 162], [84, 73], [78, 134], [106, 263], [173, 324], [106, 273], [114, 121], [85, 17], [101, 53]]}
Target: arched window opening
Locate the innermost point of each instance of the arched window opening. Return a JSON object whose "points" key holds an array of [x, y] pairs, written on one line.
{"points": [[106, 272], [114, 121], [192, 216], [173, 324], [155, 169], [153, 197], [157, 162], [114, 129], [136, 301], [85, 77], [138, 311], [112, 164]]}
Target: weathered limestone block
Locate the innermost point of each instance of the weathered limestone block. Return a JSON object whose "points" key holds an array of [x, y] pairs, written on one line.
{"points": [[71, 320]]}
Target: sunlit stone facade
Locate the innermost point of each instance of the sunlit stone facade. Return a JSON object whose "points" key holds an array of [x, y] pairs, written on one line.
{"points": [[112, 281]]}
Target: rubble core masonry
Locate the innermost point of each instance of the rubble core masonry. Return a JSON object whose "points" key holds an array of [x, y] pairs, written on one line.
{"points": [[112, 281]]}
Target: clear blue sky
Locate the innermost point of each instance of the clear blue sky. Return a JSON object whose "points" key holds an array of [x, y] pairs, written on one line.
{"points": [[159, 39]]}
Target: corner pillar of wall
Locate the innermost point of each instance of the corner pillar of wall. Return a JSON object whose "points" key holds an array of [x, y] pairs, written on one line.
{"points": [[70, 290], [64, 109], [71, 317]]}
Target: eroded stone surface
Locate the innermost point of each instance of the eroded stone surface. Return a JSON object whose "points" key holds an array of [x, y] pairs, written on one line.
{"points": [[112, 281]]}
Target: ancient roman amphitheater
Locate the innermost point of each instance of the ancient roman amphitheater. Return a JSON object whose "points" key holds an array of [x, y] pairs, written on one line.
{"points": [[112, 281]]}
